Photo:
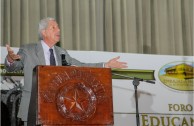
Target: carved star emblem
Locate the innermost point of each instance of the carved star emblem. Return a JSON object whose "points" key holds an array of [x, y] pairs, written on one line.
{"points": [[76, 101]]}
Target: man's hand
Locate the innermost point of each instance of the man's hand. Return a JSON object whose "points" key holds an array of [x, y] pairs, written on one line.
{"points": [[11, 56], [114, 63]]}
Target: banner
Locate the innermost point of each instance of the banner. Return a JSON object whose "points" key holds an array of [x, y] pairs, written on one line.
{"points": [[168, 102]]}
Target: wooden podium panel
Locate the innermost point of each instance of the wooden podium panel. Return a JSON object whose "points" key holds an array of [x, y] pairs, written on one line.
{"points": [[74, 96]]}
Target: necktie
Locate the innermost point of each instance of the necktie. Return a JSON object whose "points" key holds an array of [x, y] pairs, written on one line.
{"points": [[52, 58]]}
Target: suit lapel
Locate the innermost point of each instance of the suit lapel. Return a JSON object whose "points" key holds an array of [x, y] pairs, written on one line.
{"points": [[58, 55], [40, 54]]}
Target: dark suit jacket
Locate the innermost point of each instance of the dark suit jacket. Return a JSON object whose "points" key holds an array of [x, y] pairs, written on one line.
{"points": [[31, 56]]}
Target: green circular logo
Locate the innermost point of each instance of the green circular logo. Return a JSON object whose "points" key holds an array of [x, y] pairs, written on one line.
{"points": [[178, 75]]}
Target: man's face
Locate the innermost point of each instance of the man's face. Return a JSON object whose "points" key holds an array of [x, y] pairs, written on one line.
{"points": [[51, 35]]}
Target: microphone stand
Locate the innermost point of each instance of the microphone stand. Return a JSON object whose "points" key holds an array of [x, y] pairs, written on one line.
{"points": [[136, 82]]}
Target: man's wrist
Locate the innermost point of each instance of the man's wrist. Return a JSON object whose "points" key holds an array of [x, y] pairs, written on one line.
{"points": [[106, 65]]}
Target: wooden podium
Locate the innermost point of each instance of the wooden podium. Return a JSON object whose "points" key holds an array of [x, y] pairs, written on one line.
{"points": [[71, 96]]}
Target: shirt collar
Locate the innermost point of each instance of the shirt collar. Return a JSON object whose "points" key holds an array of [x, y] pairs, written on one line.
{"points": [[45, 46]]}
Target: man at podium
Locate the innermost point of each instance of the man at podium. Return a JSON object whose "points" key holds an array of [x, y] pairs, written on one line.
{"points": [[45, 52]]}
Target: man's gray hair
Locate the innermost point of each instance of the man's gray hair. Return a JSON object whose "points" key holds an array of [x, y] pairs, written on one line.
{"points": [[43, 24]]}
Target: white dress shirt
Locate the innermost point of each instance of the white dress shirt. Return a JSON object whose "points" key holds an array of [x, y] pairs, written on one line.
{"points": [[47, 53]]}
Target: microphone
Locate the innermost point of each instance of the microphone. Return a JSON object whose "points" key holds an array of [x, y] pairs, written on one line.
{"points": [[63, 60]]}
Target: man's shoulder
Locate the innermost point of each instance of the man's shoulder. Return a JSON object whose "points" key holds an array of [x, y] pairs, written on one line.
{"points": [[31, 45], [60, 49]]}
